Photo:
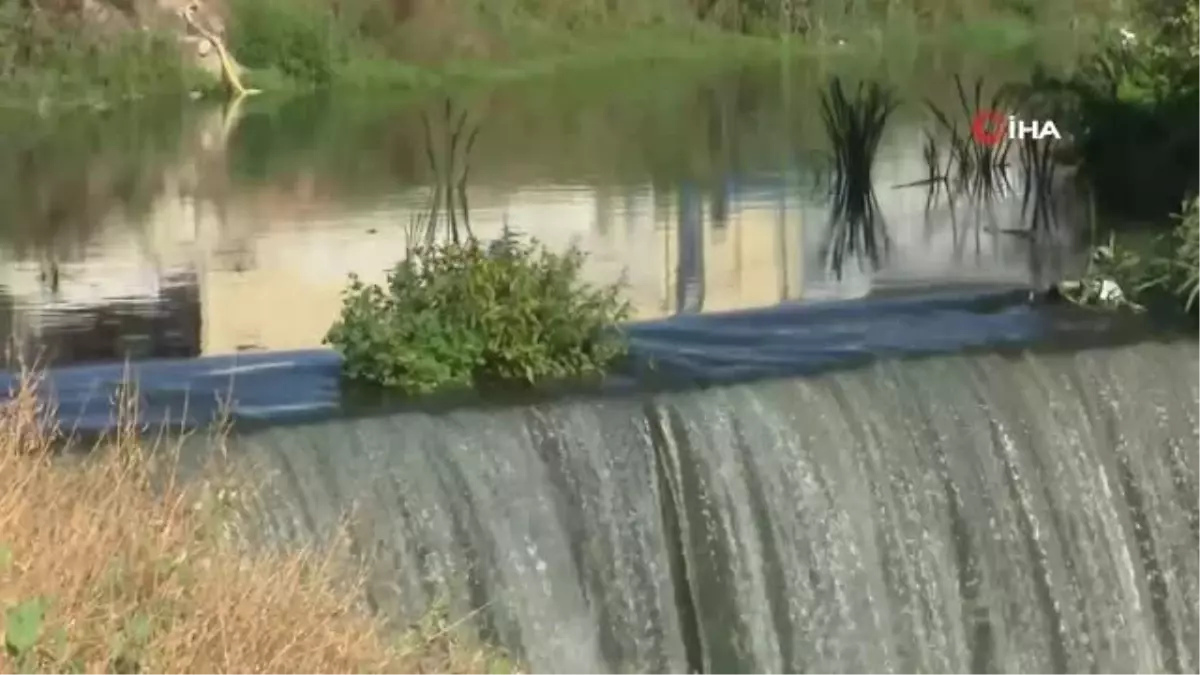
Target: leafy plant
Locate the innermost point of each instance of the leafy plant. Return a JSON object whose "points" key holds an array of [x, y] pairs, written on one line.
{"points": [[302, 40], [1132, 108], [1175, 269], [467, 313], [27, 643], [1165, 274], [52, 58], [23, 629]]}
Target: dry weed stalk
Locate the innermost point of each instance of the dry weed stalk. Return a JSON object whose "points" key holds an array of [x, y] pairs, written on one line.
{"points": [[104, 568]]}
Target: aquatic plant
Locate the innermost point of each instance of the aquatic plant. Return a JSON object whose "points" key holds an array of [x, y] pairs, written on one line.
{"points": [[474, 314], [1038, 166], [450, 175], [1162, 274], [973, 168], [855, 128]]}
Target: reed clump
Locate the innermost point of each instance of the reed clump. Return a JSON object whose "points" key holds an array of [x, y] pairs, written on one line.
{"points": [[972, 168], [855, 124], [109, 565]]}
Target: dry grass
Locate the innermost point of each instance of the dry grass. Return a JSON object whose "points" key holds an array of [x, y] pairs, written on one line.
{"points": [[135, 576]]}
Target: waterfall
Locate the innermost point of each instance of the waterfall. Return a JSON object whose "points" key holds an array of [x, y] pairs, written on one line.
{"points": [[1031, 512]]}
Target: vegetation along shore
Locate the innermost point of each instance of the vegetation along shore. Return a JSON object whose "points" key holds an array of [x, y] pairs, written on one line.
{"points": [[98, 52], [103, 568]]}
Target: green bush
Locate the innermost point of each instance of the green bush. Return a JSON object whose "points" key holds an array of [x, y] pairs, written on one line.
{"points": [[474, 314], [1172, 271], [52, 60], [1132, 108], [301, 39], [1162, 273]]}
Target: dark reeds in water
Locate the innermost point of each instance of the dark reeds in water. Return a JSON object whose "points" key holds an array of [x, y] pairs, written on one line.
{"points": [[855, 126], [1039, 159], [975, 169], [1037, 179], [448, 205], [981, 173]]}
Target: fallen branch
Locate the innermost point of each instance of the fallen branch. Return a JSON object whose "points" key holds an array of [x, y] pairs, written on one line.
{"points": [[232, 79]]}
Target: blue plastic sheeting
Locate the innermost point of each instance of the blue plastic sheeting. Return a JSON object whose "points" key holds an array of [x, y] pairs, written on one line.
{"points": [[780, 341]]}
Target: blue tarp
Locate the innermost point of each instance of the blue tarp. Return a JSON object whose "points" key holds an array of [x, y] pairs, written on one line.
{"points": [[779, 341]]}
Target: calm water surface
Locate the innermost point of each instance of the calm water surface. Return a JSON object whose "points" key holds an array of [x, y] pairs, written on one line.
{"points": [[208, 230]]}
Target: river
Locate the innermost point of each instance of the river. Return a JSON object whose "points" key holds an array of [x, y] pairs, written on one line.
{"points": [[176, 231]]}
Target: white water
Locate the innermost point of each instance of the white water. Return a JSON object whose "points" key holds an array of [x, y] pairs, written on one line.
{"points": [[1033, 513]]}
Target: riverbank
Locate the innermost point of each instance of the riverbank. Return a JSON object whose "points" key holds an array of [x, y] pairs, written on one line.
{"points": [[103, 569], [68, 62]]}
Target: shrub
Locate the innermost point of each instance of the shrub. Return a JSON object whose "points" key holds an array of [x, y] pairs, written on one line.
{"points": [[1162, 274], [1174, 272], [1133, 110], [52, 59], [470, 314], [301, 39], [104, 567]]}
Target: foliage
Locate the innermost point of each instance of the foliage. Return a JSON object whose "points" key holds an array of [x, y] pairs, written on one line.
{"points": [[299, 39], [109, 564], [1171, 266], [972, 167], [1133, 108], [474, 314], [824, 17], [49, 59], [393, 43], [1163, 275]]}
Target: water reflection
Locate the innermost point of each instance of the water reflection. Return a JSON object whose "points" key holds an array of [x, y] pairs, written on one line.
{"points": [[855, 127], [238, 228], [689, 284], [448, 202], [166, 323]]}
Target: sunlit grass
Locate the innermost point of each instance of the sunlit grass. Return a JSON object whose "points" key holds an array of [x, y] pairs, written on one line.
{"points": [[107, 564]]}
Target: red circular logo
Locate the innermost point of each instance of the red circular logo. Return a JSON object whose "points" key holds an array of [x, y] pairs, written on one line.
{"points": [[988, 127]]}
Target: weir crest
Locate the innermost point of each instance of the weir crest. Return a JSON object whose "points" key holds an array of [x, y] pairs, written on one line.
{"points": [[972, 513]]}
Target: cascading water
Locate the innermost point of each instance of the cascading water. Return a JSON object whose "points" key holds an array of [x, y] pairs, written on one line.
{"points": [[1032, 513]]}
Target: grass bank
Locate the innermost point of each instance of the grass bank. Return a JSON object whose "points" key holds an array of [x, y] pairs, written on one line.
{"points": [[415, 42], [52, 60], [105, 569], [55, 57]]}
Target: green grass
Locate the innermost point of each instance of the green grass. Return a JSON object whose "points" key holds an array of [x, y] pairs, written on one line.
{"points": [[290, 45], [113, 564], [507, 40], [1159, 273], [49, 62]]}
